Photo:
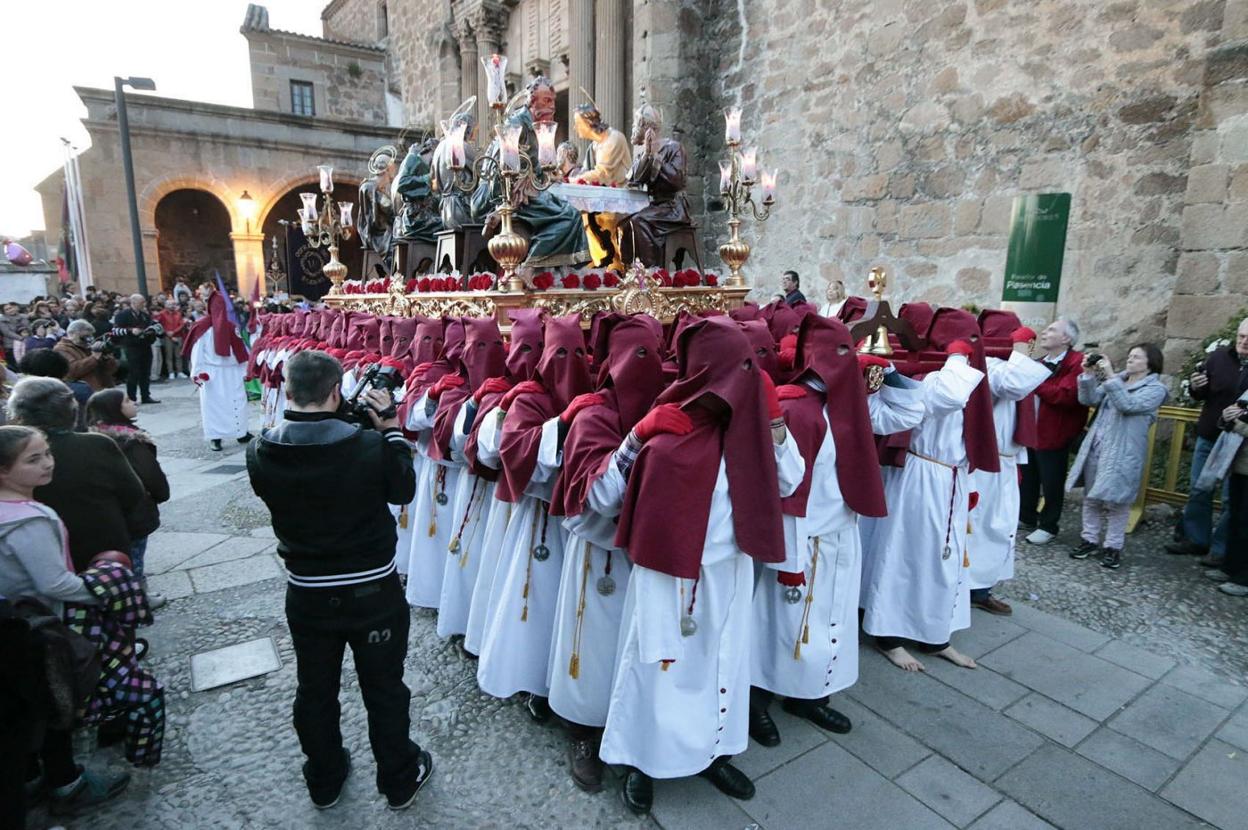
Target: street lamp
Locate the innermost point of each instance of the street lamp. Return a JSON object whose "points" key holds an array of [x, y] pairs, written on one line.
{"points": [[247, 209], [123, 126]]}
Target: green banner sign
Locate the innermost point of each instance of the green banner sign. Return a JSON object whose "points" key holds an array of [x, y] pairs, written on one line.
{"points": [[1033, 265]]}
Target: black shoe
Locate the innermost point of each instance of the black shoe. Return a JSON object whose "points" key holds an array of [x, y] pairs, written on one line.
{"points": [[150, 400], [215, 445], [821, 715], [246, 438], [1112, 560], [1085, 550], [1186, 548], [762, 728], [539, 708], [637, 792], [403, 799], [729, 780], [584, 764], [326, 796]]}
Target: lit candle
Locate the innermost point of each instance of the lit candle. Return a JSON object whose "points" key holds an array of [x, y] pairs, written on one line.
{"points": [[309, 205], [546, 144], [327, 177], [457, 145], [725, 176], [511, 147], [346, 208], [732, 116], [495, 75], [749, 164], [769, 186]]}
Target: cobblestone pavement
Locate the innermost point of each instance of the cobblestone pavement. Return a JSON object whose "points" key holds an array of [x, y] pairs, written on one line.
{"points": [[1109, 700]]}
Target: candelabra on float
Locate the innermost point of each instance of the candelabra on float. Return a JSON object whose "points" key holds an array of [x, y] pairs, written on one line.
{"points": [[326, 225], [513, 169], [736, 184]]}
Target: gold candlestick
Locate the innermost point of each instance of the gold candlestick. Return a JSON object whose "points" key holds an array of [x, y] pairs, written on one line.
{"points": [[736, 186]]}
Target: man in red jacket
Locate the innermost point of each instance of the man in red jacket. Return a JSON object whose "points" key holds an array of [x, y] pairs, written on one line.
{"points": [[1059, 419]]}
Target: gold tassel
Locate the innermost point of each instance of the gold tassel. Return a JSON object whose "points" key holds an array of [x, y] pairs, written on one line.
{"points": [[524, 614], [403, 518], [433, 528], [810, 598], [966, 560], [574, 667], [663, 665], [528, 570]]}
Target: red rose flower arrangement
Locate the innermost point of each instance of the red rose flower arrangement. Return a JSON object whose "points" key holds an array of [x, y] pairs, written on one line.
{"points": [[591, 281], [571, 281], [544, 281], [611, 279], [710, 279]]}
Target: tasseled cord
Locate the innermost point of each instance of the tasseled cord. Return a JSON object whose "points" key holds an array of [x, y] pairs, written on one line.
{"points": [[810, 598], [574, 664]]}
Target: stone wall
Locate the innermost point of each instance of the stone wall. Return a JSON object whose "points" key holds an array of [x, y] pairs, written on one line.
{"points": [[354, 20], [904, 128], [1213, 266]]}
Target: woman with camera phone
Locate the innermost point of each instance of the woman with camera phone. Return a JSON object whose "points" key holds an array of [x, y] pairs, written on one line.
{"points": [[1110, 462]]}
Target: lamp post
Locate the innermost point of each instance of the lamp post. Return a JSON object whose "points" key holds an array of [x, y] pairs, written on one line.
{"points": [[127, 163], [247, 209]]}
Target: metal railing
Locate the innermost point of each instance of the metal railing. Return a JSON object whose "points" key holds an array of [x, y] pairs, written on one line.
{"points": [[1172, 425]]}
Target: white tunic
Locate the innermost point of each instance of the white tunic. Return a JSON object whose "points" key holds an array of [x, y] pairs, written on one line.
{"points": [[913, 580], [497, 519], [470, 512], [673, 723], [515, 646], [591, 633], [222, 397], [995, 521], [430, 519], [827, 661]]}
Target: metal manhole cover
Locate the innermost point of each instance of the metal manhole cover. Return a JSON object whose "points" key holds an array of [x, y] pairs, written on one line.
{"points": [[231, 664], [227, 469]]}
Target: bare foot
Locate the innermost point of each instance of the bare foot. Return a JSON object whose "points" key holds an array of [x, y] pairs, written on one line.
{"points": [[901, 658], [957, 658]]}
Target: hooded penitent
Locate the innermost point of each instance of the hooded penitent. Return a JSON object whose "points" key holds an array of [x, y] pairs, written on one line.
{"points": [[998, 325], [667, 503], [825, 351], [563, 373], [948, 325], [481, 358], [630, 376], [225, 337], [766, 352]]}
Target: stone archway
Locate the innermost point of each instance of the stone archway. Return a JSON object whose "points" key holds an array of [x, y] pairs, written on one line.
{"points": [[193, 238], [285, 207]]}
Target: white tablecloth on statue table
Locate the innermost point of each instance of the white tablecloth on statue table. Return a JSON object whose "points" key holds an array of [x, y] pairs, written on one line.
{"points": [[592, 198]]}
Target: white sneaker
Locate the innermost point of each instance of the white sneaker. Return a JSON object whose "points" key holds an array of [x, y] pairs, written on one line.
{"points": [[1040, 536], [1234, 589]]}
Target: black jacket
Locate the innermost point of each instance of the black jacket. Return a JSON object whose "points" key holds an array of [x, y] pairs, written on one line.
{"points": [[94, 491], [140, 451], [328, 485], [1227, 381], [128, 318]]}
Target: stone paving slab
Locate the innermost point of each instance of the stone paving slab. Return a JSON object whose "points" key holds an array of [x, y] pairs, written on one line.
{"points": [[1235, 732], [1064, 631], [875, 741], [1213, 786], [976, 738], [797, 736], [982, 684], [1152, 666], [1207, 686], [1072, 792], [172, 585], [1052, 719], [829, 788], [1008, 815], [1152, 719], [695, 805], [1129, 758], [988, 632], [232, 574], [948, 790], [236, 547], [1087, 684], [168, 549]]}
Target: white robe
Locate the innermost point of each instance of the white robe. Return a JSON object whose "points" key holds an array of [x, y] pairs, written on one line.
{"points": [[673, 723], [429, 520], [910, 588], [222, 398], [471, 506], [590, 547], [995, 521], [828, 661], [497, 519], [515, 647]]}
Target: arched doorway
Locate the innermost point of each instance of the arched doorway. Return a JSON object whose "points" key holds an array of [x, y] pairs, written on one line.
{"points": [[305, 257], [193, 239]]}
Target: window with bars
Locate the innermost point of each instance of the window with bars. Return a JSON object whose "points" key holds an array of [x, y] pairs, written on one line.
{"points": [[301, 98]]}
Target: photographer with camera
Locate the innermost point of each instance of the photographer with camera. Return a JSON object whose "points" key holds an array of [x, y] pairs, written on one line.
{"points": [[136, 332], [1110, 462], [1218, 381], [91, 361], [328, 484]]}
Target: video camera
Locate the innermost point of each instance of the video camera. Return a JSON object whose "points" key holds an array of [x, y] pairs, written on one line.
{"points": [[376, 376]]}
